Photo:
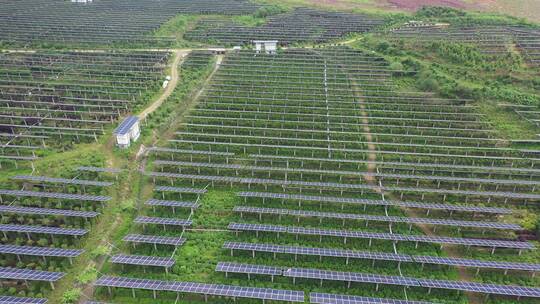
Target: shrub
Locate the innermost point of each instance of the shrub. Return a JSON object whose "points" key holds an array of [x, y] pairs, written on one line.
{"points": [[71, 296]]}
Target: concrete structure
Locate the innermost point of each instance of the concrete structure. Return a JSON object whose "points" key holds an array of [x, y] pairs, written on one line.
{"points": [[81, 1], [218, 51], [266, 46], [127, 132]]}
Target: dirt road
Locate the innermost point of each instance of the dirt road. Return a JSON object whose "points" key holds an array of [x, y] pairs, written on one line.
{"points": [[179, 56]]}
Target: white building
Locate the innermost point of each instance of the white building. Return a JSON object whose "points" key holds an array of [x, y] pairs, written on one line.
{"points": [[266, 46], [81, 1], [127, 131]]}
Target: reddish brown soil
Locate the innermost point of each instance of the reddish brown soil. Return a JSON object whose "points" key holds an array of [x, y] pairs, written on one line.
{"points": [[416, 4]]}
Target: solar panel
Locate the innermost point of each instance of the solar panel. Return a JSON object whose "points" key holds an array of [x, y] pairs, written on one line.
{"points": [[41, 229], [19, 300], [40, 251], [29, 274], [471, 242], [201, 288], [246, 268], [341, 172], [348, 276], [476, 263], [142, 260], [238, 291], [126, 125], [365, 217], [81, 197], [201, 152], [154, 239], [507, 290], [162, 221], [61, 180], [361, 201], [181, 189], [328, 252], [99, 169], [45, 211], [108, 281], [327, 298], [383, 236], [257, 227], [175, 204]]}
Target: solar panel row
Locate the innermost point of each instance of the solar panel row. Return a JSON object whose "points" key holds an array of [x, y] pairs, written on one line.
{"points": [[361, 201], [318, 274], [181, 189], [40, 251], [45, 211], [174, 204], [250, 269], [61, 180], [142, 260], [29, 274], [99, 169], [20, 300], [154, 239], [364, 217], [326, 298], [383, 236], [41, 229], [201, 288], [162, 221], [68, 196], [331, 185], [341, 172], [331, 252]]}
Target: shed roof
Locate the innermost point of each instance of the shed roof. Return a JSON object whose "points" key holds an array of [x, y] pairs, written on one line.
{"points": [[126, 125]]}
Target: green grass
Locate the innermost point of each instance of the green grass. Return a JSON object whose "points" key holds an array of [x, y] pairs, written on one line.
{"points": [[250, 21]]}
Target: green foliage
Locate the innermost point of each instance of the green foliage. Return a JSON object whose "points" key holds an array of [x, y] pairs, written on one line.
{"points": [[88, 275], [100, 250], [127, 205], [71, 296], [438, 12], [426, 81], [269, 10], [248, 20], [396, 67]]}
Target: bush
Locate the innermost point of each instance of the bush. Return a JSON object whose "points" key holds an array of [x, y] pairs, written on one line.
{"points": [[88, 275], [71, 296], [427, 82], [269, 10], [439, 12], [396, 68]]}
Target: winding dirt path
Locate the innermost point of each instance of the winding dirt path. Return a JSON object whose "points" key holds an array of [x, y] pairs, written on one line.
{"points": [[179, 56]]}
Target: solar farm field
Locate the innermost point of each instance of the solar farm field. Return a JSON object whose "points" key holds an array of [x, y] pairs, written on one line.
{"points": [[53, 100], [308, 170], [300, 26], [248, 151], [45, 221], [106, 23]]}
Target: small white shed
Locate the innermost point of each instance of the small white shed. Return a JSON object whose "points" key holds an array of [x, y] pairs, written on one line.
{"points": [[127, 132], [266, 46]]}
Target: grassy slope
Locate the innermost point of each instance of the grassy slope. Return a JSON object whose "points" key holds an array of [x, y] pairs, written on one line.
{"points": [[195, 261]]}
